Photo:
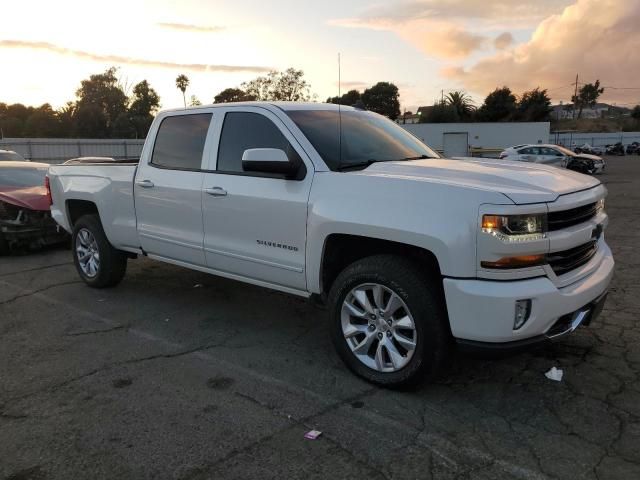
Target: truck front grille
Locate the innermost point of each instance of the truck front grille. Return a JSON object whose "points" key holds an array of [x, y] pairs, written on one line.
{"points": [[568, 218], [567, 260]]}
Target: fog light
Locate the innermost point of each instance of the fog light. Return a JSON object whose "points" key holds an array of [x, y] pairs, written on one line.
{"points": [[523, 310]]}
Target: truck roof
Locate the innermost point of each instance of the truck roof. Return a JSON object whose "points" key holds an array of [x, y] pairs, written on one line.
{"points": [[281, 105]]}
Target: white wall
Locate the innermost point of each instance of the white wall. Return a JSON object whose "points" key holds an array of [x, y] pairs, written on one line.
{"points": [[483, 135]]}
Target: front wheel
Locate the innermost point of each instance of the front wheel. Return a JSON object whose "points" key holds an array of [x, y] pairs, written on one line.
{"points": [[389, 322], [99, 264]]}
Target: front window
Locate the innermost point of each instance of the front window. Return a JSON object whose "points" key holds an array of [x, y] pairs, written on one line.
{"points": [[22, 177], [355, 138]]}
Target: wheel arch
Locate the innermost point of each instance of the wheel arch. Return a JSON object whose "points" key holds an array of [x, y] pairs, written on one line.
{"points": [[340, 250]]}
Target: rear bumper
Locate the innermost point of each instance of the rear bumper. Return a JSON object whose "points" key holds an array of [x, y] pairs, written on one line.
{"points": [[483, 310]]}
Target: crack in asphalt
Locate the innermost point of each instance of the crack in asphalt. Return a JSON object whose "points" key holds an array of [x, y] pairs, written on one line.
{"points": [[30, 293], [203, 470], [35, 269]]}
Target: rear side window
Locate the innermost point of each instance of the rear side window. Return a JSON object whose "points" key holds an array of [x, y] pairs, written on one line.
{"points": [[244, 130], [180, 141]]}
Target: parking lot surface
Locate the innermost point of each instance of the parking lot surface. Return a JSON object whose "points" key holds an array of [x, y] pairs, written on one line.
{"points": [[175, 374]]}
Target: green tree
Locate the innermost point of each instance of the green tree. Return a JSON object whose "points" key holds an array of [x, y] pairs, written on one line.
{"points": [[383, 98], [145, 103], [350, 98], [194, 101], [587, 96], [182, 82], [90, 122], [123, 127], [13, 119], [42, 122], [230, 95], [66, 120], [289, 86], [440, 112], [635, 113], [100, 95], [461, 103], [534, 106], [500, 105]]}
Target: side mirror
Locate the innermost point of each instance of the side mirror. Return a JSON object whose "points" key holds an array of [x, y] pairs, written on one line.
{"points": [[269, 160]]}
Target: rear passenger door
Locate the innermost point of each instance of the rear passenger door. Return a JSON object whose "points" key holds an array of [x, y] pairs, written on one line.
{"points": [[255, 224], [168, 189]]}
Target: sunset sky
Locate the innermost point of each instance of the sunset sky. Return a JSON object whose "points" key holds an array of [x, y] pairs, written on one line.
{"points": [[423, 46]]}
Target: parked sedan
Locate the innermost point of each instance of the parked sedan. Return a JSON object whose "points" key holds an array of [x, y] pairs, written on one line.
{"points": [[554, 155], [25, 219], [11, 156], [545, 154]]}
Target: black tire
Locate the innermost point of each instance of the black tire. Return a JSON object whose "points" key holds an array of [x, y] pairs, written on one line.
{"points": [[113, 262], [423, 296], [4, 246]]}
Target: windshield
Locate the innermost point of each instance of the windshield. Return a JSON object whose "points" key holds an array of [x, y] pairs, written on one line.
{"points": [[565, 151], [8, 155], [366, 138], [22, 177]]}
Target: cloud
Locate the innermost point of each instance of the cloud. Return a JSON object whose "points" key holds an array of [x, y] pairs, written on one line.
{"points": [[513, 10], [599, 39], [184, 27], [503, 41], [433, 37], [441, 39], [194, 67]]}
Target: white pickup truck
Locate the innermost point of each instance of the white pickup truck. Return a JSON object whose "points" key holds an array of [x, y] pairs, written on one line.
{"points": [[412, 253]]}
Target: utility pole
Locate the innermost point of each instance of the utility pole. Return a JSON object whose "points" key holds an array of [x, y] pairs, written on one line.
{"points": [[575, 98], [441, 97]]}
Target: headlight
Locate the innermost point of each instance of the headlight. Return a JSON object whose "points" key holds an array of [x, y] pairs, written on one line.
{"points": [[515, 228], [600, 205]]}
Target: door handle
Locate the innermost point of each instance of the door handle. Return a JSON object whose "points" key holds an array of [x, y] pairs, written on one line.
{"points": [[216, 191], [144, 183]]}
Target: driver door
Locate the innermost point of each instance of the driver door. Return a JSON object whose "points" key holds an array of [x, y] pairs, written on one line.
{"points": [[255, 224]]}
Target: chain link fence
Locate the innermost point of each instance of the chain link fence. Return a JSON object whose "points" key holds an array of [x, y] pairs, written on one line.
{"points": [[571, 139], [58, 150]]}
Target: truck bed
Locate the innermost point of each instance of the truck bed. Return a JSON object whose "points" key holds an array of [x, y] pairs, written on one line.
{"points": [[106, 185]]}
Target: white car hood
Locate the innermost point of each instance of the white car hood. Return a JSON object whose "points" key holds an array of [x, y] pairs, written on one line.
{"points": [[521, 182], [589, 156]]}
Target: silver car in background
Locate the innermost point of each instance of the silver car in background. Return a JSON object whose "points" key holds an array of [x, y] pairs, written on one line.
{"points": [[11, 156], [552, 155], [546, 154]]}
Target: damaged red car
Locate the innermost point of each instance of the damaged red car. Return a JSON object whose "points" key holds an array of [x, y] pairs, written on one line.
{"points": [[25, 219]]}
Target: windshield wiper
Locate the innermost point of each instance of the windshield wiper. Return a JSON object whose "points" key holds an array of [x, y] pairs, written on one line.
{"points": [[366, 163]]}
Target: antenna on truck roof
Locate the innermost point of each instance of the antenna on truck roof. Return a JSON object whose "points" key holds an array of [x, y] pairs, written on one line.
{"points": [[339, 113]]}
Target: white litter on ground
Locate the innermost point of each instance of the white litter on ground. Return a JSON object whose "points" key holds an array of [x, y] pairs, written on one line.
{"points": [[554, 374], [313, 434]]}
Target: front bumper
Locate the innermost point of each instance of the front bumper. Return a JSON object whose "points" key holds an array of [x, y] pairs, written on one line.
{"points": [[33, 236], [482, 311]]}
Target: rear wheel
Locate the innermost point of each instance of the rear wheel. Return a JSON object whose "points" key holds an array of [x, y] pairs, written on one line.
{"points": [[99, 264], [389, 323]]}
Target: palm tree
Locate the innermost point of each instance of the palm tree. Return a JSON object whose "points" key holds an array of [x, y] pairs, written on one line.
{"points": [[182, 82], [461, 102]]}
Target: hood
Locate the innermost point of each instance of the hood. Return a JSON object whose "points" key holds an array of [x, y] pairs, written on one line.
{"points": [[32, 198], [521, 182], [588, 156]]}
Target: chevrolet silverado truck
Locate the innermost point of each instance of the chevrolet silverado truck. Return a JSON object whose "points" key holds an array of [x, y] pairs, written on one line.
{"points": [[412, 253]]}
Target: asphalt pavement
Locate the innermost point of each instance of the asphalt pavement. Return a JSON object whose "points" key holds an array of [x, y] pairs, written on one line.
{"points": [[175, 374]]}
